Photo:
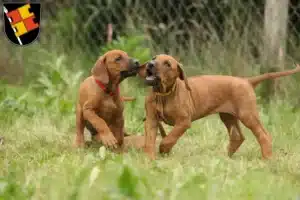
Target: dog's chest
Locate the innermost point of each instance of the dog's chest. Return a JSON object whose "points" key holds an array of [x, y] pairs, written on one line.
{"points": [[109, 108], [166, 115]]}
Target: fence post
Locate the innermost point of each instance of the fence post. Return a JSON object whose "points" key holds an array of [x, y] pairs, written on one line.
{"points": [[109, 32], [275, 33]]}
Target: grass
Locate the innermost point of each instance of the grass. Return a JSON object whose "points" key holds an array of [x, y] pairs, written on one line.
{"points": [[37, 161]]}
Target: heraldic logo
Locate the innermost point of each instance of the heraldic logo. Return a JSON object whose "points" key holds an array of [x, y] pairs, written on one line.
{"points": [[22, 21]]}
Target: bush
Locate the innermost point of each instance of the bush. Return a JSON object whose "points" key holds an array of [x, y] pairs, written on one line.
{"points": [[57, 86]]}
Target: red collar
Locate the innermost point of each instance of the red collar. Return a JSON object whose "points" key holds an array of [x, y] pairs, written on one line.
{"points": [[102, 86]]}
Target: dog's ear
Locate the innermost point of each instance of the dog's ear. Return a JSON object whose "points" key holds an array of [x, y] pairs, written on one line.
{"points": [[182, 76], [99, 70], [142, 70]]}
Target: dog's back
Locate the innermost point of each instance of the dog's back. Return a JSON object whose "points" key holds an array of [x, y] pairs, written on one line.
{"points": [[217, 93]]}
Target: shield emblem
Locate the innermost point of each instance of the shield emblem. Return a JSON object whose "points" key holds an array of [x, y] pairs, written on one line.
{"points": [[22, 22]]}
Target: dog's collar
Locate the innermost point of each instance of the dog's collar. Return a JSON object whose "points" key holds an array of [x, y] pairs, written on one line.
{"points": [[163, 94], [105, 89]]}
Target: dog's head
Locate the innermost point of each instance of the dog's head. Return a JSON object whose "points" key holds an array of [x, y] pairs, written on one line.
{"points": [[161, 72], [115, 64]]}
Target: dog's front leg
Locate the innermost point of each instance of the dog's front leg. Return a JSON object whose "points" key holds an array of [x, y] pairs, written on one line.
{"points": [[170, 140], [151, 127], [150, 137], [104, 133], [117, 128], [79, 139]]}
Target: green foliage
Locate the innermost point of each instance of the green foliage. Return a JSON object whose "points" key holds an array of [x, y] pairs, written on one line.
{"points": [[14, 103], [11, 188], [134, 45], [65, 27], [128, 183], [57, 85], [80, 176]]}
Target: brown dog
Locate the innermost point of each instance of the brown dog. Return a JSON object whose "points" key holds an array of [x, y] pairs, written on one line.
{"points": [[100, 107], [178, 101]]}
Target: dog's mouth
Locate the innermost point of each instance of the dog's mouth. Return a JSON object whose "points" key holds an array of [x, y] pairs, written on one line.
{"points": [[128, 73], [131, 71], [151, 78]]}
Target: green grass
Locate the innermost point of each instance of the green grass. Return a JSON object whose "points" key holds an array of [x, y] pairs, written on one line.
{"points": [[38, 162], [38, 125]]}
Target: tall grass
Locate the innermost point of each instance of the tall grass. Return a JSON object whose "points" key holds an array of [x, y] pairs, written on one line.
{"points": [[37, 161]]}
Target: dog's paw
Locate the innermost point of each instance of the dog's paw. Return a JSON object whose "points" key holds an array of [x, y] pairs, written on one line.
{"points": [[166, 146], [79, 142], [150, 153], [108, 140]]}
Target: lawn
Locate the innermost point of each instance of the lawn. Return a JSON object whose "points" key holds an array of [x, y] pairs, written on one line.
{"points": [[37, 112], [38, 162]]}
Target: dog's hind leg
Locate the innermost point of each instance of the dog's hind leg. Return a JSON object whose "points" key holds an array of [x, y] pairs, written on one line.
{"points": [[251, 121], [90, 128], [79, 139], [236, 137]]}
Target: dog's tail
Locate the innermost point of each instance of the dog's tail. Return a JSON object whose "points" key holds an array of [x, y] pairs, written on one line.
{"points": [[128, 98], [272, 75]]}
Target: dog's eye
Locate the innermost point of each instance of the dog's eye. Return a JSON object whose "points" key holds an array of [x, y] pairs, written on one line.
{"points": [[118, 58], [167, 63]]}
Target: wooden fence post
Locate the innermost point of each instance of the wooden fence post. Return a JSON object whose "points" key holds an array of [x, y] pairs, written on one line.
{"points": [[275, 35]]}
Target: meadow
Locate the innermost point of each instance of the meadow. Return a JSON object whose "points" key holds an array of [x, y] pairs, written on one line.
{"points": [[37, 123], [38, 162]]}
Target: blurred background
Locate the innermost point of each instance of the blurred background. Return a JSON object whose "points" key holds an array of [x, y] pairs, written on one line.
{"points": [[232, 37]]}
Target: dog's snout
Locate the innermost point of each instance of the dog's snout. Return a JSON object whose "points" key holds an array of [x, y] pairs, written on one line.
{"points": [[148, 70], [151, 64], [136, 62]]}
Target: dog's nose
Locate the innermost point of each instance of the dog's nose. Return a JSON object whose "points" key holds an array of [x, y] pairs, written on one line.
{"points": [[151, 64], [136, 62], [148, 70]]}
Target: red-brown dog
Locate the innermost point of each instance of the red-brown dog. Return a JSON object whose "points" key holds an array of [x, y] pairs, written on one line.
{"points": [[100, 106], [178, 101]]}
